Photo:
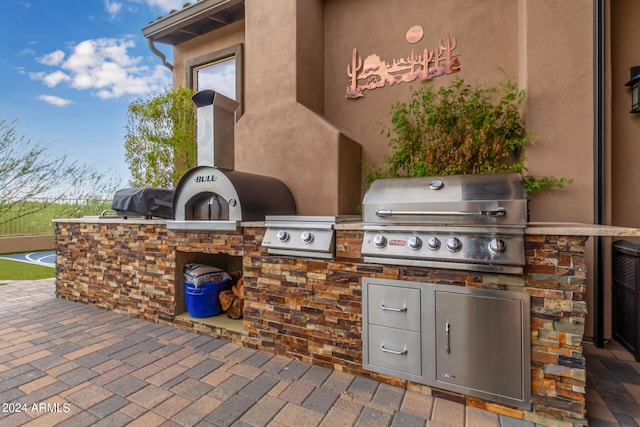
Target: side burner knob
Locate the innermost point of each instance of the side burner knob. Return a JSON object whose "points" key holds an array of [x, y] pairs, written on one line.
{"points": [[282, 235], [497, 246], [307, 237], [415, 242], [379, 241], [433, 243], [454, 244]]}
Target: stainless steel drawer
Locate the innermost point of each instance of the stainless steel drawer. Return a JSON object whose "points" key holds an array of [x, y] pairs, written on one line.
{"points": [[394, 349], [394, 306]]}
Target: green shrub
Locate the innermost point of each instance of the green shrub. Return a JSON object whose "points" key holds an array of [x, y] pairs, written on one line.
{"points": [[459, 129]]}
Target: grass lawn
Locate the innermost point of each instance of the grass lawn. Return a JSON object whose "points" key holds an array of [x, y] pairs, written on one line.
{"points": [[15, 270]]}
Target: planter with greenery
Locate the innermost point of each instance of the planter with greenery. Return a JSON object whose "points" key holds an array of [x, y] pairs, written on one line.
{"points": [[460, 129]]}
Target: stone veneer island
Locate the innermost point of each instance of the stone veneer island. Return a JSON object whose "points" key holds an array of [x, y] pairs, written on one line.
{"points": [[312, 309]]}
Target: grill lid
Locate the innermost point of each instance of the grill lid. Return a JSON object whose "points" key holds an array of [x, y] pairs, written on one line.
{"points": [[495, 199], [147, 202]]}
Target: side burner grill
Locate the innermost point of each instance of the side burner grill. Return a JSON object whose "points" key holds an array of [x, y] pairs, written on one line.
{"points": [[303, 236]]}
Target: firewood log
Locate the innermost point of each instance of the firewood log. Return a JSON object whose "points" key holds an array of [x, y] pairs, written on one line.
{"points": [[226, 299], [238, 289], [235, 275], [235, 311]]}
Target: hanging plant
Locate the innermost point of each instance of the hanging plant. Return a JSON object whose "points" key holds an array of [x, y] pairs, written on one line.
{"points": [[460, 129]]}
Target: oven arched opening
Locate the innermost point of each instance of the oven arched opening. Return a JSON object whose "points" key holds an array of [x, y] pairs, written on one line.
{"points": [[207, 206]]}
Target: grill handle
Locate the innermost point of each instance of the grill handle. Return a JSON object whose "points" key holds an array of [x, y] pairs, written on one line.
{"points": [[494, 213]]}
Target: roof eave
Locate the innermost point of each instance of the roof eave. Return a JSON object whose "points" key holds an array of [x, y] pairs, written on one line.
{"points": [[175, 22]]}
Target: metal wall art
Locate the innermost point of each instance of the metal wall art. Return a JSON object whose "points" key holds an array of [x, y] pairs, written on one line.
{"points": [[373, 72]]}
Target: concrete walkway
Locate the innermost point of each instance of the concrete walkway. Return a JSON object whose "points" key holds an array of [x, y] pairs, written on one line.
{"points": [[70, 364]]}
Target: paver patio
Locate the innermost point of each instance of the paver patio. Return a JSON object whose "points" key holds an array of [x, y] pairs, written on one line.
{"points": [[69, 364]]}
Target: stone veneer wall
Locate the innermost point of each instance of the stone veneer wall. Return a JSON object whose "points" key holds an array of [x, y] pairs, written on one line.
{"points": [[130, 267], [555, 277], [312, 309]]}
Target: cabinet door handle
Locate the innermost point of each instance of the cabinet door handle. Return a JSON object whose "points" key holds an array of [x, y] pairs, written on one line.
{"points": [[384, 307], [447, 332], [386, 350]]}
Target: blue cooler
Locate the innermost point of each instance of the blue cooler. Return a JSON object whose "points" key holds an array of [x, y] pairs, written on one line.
{"points": [[204, 301]]}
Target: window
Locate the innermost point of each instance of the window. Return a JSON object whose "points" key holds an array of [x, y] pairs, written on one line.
{"points": [[220, 71]]}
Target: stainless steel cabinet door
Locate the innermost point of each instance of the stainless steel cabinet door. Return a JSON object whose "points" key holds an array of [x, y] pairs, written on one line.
{"points": [[479, 344]]}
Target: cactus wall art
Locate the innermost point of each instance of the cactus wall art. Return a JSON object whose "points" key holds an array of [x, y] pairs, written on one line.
{"points": [[372, 72]]}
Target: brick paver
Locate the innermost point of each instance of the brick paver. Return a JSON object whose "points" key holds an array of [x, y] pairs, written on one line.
{"points": [[106, 369]]}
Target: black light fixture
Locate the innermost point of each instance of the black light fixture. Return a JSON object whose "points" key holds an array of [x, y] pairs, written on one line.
{"points": [[634, 83]]}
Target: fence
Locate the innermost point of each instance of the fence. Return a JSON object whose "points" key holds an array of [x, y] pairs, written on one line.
{"points": [[35, 216]]}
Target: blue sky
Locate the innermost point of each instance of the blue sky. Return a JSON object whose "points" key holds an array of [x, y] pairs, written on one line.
{"points": [[69, 69]]}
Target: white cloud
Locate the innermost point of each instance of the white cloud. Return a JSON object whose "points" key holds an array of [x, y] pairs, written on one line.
{"points": [[53, 58], [113, 8], [53, 79], [105, 67], [54, 100], [27, 52]]}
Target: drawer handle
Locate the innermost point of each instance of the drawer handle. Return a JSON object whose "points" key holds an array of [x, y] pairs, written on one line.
{"points": [[386, 350], [385, 308]]}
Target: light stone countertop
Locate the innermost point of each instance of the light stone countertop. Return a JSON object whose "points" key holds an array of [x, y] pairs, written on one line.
{"points": [[110, 220], [534, 228], [579, 229], [551, 228]]}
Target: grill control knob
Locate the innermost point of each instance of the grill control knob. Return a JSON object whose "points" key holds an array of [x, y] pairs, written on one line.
{"points": [[379, 241], [282, 235], [433, 243], [497, 246], [307, 237], [415, 242], [454, 244]]}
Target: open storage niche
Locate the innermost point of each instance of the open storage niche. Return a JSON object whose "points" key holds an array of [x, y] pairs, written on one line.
{"points": [[229, 263]]}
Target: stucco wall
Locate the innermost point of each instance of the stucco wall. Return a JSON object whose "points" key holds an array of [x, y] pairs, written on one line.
{"points": [[625, 127], [296, 58], [560, 107], [487, 43], [25, 244], [280, 133], [546, 46]]}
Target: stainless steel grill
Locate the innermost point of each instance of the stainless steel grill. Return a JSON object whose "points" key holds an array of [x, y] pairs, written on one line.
{"points": [[213, 196], [468, 222]]}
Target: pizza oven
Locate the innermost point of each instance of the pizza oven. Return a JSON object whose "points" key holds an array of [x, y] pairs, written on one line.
{"points": [[214, 196]]}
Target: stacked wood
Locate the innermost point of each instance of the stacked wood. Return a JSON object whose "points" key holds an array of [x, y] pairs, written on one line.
{"points": [[232, 300], [226, 298]]}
